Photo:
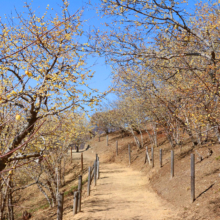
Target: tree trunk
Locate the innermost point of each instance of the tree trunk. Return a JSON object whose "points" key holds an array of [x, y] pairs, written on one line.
{"points": [[63, 173], [45, 194], [10, 202], [207, 133], [136, 139], [26, 129], [154, 126], [3, 201], [53, 197], [150, 137]]}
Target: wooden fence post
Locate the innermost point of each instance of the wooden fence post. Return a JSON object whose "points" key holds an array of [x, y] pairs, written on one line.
{"points": [[79, 193], [116, 148], [97, 161], [172, 164], [92, 172], [152, 156], [129, 154], [75, 202], [145, 159], [107, 140], [161, 158], [192, 178], [95, 171], [89, 180], [99, 137], [81, 161], [60, 206], [71, 153]]}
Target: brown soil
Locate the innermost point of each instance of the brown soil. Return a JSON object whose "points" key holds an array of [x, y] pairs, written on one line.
{"points": [[176, 191], [33, 201], [122, 193], [140, 191]]}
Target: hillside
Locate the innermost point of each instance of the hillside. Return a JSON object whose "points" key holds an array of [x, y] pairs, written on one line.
{"points": [[156, 191], [175, 191]]}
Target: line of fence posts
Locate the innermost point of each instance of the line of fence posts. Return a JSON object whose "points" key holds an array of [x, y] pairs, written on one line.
{"points": [[192, 167], [161, 165], [93, 173]]}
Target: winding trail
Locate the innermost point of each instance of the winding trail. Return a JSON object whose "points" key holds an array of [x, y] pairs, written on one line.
{"points": [[122, 193]]}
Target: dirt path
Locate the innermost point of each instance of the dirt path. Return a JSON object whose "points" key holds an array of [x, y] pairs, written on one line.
{"points": [[122, 193]]}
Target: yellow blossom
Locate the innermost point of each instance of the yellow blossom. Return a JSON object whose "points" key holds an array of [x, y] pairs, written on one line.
{"points": [[28, 73], [18, 117]]}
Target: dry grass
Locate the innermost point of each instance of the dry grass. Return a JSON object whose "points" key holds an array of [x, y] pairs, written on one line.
{"points": [[175, 191]]}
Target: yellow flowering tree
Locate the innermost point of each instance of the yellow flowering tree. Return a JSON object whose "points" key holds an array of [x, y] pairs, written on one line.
{"points": [[43, 72]]}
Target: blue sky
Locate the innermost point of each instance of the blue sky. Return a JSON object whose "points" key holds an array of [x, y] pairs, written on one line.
{"points": [[102, 78]]}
